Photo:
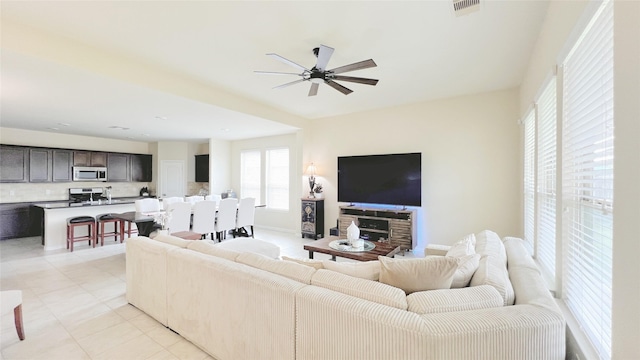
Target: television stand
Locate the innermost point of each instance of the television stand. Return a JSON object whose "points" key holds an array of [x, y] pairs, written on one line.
{"points": [[396, 227]]}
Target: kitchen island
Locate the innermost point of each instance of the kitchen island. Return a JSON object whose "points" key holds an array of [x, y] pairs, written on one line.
{"points": [[55, 215]]}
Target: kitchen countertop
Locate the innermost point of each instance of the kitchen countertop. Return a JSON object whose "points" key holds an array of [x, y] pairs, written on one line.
{"points": [[50, 205]]}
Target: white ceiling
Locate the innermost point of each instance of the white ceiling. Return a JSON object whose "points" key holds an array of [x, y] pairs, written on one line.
{"points": [[423, 52]]}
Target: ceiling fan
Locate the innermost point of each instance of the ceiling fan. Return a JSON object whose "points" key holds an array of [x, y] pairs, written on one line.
{"points": [[318, 74]]}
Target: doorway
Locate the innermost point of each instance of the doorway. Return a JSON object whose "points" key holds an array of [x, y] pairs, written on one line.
{"points": [[172, 179]]}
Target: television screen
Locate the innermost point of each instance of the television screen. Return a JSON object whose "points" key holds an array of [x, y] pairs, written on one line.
{"points": [[393, 179]]}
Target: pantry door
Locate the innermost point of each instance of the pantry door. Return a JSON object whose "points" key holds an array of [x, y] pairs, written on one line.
{"points": [[172, 178]]}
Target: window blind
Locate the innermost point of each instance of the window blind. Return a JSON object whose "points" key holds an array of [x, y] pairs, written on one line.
{"points": [[250, 174], [587, 179], [529, 177], [546, 184], [277, 179]]}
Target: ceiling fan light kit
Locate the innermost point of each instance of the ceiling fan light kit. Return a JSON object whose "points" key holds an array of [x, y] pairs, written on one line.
{"points": [[318, 74]]}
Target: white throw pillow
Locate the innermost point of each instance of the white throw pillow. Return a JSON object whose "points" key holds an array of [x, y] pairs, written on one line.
{"points": [[413, 275], [316, 264], [369, 270], [466, 268], [464, 247]]}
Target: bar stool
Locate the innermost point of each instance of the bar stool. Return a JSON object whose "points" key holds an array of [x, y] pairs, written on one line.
{"points": [[73, 222], [103, 219]]}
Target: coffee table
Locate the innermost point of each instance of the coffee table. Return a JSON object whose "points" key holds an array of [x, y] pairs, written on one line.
{"points": [[322, 246]]}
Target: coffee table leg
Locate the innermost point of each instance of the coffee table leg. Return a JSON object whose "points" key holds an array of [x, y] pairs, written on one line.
{"points": [[310, 254], [333, 257]]}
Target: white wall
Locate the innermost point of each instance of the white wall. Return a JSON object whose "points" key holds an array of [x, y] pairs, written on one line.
{"points": [[470, 160], [47, 139], [219, 166], [274, 219]]}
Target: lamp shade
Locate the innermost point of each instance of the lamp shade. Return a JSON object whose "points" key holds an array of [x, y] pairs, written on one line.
{"points": [[311, 170]]}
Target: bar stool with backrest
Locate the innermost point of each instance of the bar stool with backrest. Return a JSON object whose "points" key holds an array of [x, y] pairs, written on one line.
{"points": [[79, 221], [104, 219]]}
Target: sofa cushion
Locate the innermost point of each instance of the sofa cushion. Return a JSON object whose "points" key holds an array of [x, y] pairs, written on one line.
{"points": [[413, 275], [290, 269], [251, 245], [466, 268], [466, 246], [360, 288], [316, 264], [172, 240], [489, 243], [208, 247], [436, 301], [491, 271], [369, 270]]}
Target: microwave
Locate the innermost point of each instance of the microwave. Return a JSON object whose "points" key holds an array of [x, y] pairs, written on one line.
{"points": [[82, 173]]}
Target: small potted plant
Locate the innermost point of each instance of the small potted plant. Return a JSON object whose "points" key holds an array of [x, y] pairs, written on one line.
{"points": [[317, 190]]}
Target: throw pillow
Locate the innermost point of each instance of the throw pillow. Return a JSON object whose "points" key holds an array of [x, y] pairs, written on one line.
{"points": [[466, 268], [316, 264], [464, 247], [413, 275], [369, 270]]}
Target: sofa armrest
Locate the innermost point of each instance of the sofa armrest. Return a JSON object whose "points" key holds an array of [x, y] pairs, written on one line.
{"points": [[434, 249]]}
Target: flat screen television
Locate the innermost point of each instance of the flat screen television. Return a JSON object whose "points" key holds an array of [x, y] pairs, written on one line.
{"points": [[391, 179]]}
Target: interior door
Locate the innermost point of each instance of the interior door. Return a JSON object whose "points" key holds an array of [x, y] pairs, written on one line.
{"points": [[172, 178]]}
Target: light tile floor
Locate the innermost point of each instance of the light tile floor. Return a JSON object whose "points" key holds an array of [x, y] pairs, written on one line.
{"points": [[74, 304]]}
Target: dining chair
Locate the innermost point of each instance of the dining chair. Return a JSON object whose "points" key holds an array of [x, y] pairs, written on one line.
{"points": [[226, 219], [147, 205], [204, 218], [170, 200], [214, 197], [180, 217], [246, 215], [193, 199]]}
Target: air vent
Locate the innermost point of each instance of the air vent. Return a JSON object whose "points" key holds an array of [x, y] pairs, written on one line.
{"points": [[463, 7]]}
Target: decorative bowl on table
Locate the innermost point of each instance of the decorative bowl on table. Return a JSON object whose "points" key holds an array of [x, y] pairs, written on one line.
{"points": [[344, 245]]}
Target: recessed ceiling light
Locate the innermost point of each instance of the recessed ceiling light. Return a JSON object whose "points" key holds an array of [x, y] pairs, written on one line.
{"points": [[225, 129], [52, 128], [115, 127], [161, 117], [64, 124], [147, 135]]}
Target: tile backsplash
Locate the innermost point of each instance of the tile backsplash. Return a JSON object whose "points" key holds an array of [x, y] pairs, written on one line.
{"points": [[35, 192]]}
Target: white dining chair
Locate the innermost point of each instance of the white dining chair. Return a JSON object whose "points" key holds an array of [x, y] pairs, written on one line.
{"points": [[193, 199], [246, 215], [170, 200], [204, 218], [147, 205], [180, 218], [226, 219], [213, 197]]}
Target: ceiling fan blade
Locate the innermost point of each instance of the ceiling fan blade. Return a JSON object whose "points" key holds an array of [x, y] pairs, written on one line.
{"points": [[287, 61], [324, 54], [275, 73], [338, 87], [288, 84], [355, 79], [314, 89], [355, 66]]}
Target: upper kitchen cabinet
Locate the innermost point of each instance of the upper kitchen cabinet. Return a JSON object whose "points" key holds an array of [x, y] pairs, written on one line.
{"points": [[202, 168], [117, 167], [40, 165], [14, 164], [62, 162], [141, 168], [89, 158]]}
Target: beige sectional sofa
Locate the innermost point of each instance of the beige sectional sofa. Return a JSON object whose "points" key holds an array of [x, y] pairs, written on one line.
{"points": [[243, 305]]}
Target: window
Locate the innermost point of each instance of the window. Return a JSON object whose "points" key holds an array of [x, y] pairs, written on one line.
{"points": [[546, 180], [250, 174], [529, 178], [587, 179], [277, 179]]}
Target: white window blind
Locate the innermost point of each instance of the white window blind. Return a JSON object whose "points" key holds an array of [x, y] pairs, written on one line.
{"points": [[587, 173], [529, 177], [277, 179], [250, 174], [546, 184]]}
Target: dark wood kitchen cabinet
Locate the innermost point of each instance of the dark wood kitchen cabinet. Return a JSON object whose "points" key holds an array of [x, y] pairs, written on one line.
{"points": [[202, 168], [117, 167], [40, 164], [89, 158], [141, 167], [14, 164], [16, 221], [62, 161]]}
